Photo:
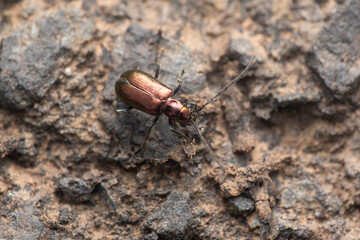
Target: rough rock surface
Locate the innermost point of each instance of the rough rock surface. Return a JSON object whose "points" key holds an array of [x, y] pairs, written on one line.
{"points": [[75, 190], [173, 220], [32, 56], [335, 55]]}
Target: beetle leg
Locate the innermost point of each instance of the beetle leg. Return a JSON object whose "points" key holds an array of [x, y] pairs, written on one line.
{"points": [[190, 104], [148, 133], [177, 88], [172, 125], [206, 144], [157, 71], [124, 109], [179, 81]]}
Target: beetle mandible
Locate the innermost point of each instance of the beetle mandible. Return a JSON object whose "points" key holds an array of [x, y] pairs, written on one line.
{"points": [[142, 91]]}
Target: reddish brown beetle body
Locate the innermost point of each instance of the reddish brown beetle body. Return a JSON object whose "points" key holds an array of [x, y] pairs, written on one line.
{"points": [[140, 90], [144, 92]]}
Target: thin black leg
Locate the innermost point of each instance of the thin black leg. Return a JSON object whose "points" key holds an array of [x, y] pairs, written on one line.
{"points": [[128, 108], [148, 133], [206, 144], [157, 71], [172, 126], [179, 81], [177, 88]]}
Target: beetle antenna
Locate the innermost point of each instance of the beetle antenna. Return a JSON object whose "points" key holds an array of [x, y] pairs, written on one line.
{"points": [[240, 76], [206, 144]]}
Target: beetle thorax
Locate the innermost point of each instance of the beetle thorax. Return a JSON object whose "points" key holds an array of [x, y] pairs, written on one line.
{"points": [[174, 109]]}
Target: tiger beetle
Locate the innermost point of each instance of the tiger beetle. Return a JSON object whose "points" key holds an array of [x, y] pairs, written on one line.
{"points": [[142, 91]]}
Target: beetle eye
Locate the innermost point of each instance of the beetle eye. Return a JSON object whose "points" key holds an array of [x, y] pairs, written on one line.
{"points": [[168, 109]]}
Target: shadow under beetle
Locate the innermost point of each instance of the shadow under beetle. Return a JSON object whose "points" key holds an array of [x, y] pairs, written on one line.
{"points": [[144, 92]]}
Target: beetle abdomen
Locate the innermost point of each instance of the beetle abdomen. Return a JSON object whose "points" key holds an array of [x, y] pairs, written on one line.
{"points": [[142, 91], [138, 98], [148, 84]]}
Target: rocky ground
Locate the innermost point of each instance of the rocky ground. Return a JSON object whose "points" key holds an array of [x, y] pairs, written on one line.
{"points": [[287, 135]]}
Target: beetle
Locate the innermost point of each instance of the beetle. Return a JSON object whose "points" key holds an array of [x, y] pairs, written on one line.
{"points": [[142, 91]]}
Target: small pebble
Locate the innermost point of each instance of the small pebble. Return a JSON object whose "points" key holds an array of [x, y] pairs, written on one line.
{"points": [[68, 72]]}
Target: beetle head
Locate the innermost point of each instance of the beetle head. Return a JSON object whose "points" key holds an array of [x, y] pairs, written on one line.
{"points": [[174, 109]]}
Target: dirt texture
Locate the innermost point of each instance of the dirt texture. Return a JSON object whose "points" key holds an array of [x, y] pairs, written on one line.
{"points": [[287, 135]]}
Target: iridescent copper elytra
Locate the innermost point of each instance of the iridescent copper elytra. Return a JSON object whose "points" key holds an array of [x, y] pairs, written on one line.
{"points": [[142, 91]]}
